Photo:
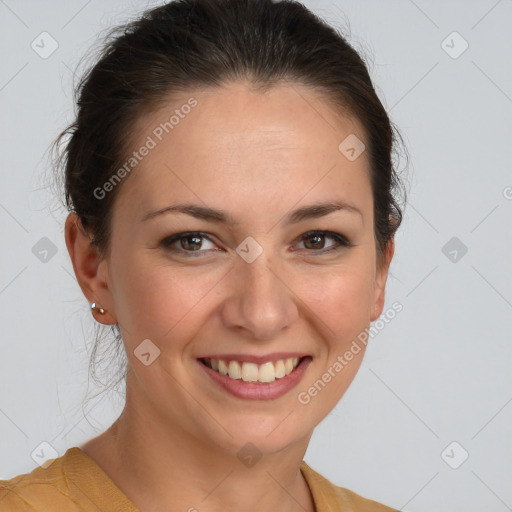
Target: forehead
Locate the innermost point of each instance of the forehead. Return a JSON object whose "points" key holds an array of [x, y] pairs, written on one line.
{"points": [[250, 149]]}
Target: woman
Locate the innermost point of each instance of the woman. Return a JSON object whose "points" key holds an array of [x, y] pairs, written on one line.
{"points": [[231, 190]]}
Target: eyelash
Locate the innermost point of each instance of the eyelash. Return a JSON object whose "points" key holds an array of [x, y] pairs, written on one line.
{"points": [[341, 241]]}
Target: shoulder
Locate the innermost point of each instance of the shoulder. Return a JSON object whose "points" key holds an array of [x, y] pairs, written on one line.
{"points": [[42, 489], [71, 483], [329, 497]]}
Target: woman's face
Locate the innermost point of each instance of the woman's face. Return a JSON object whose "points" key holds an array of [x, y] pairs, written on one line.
{"points": [[248, 289]]}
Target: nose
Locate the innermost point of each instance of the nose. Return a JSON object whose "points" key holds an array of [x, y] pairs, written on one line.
{"points": [[260, 303]]}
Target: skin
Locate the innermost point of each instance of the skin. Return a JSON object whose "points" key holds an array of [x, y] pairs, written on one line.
{"points": [[257, 156]]}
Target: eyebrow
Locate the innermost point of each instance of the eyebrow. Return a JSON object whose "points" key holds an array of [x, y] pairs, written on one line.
{"points": [[311, 211]]}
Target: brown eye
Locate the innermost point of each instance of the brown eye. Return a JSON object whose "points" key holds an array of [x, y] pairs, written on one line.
{"points": [[188, 243], [315, 240], [192, 242]]}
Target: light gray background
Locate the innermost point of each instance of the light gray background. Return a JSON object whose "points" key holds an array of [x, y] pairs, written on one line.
{"points": [[439, 372]]}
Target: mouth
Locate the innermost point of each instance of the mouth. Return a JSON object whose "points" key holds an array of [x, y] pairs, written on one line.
{"points": [[248, 371], [256, 378]]}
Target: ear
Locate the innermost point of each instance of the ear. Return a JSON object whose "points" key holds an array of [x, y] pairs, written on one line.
{"points": [[381, 278], [91, 269]]}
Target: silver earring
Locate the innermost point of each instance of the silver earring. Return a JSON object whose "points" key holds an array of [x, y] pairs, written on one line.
{"points": [[101, 311]]}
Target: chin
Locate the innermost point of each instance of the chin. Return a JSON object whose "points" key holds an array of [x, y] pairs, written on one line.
{"points": [[259, 436]]}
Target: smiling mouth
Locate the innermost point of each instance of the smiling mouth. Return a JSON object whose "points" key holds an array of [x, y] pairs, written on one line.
{"points": [[252, 372]]}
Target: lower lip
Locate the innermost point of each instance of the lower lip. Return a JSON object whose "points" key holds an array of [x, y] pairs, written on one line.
{"points": [[255, 390]]}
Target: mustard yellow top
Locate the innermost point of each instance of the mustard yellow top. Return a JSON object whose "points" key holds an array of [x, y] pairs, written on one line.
{"points": [[75, 483]]}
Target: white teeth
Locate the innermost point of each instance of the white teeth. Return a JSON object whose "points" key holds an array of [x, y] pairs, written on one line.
{"points": [[222, 367], [252, 372], [279, 369], [235, 372], [267, 373], [288, 366], [249, 372]]}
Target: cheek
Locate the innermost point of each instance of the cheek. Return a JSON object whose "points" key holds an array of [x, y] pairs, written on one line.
{"points": [[340, 298], [155, 300]]}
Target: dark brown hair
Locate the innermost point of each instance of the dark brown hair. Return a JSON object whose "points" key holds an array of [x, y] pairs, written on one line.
{"points": [[200, 43]]}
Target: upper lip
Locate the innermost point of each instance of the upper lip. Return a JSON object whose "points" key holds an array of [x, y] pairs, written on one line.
{"points": [[245, 358]]}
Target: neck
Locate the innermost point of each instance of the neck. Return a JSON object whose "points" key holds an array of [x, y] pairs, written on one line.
{"points": [[156, 465]]}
